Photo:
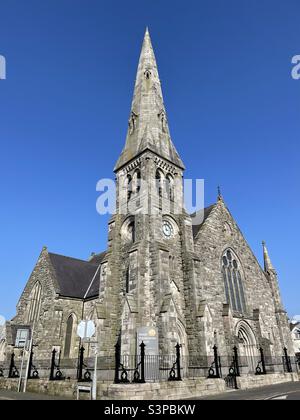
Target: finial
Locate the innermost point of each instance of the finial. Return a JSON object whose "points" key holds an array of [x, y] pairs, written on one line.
{"points": [[220, 198], [267, 260]]}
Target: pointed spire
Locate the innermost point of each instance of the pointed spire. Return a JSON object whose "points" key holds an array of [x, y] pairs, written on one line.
{"points": [[148, 113], [268, 267]]}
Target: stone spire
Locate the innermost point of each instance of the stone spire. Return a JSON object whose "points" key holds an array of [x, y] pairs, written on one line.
{"points": [[267, 260], [273, 281], [148, 126]]}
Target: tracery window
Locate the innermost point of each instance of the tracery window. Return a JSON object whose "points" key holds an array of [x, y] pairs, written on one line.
{"points": [[170, 187], [159, 181], [35, 302], [129, 187], [127, 280], [137, 181], [233, 284]]}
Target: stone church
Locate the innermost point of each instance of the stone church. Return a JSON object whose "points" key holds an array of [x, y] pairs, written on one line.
{"points": [[199, 285]]}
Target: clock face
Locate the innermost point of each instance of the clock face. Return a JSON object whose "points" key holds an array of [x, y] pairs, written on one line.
{"points": [[167, 229]]}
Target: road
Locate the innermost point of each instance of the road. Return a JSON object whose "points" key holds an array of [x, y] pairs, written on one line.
{"points": [[284, 391]]}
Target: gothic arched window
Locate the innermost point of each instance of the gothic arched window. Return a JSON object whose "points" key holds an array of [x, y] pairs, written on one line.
{"points": [[170, 187], [35, 302], [233, 284], [131, 231], [69, 336], [129, 187], [127, 280], [158, 179], [137, 181]]}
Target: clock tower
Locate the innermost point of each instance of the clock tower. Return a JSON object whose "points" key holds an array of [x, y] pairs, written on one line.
{"points": [[151, 234]]}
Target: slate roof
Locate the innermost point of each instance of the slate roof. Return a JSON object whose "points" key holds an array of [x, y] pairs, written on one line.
{"points": [[74, 276], [294, 325], [98, 258], [207, 212]]}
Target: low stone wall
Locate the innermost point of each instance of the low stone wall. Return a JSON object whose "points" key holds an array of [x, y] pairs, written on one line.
{"points": [[255, 381], [188, 388], [65, 389]]}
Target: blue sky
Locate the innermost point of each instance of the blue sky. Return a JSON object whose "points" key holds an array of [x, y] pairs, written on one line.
{"points": [[232, 106]]}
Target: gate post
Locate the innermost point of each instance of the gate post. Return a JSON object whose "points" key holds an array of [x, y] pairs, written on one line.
{"points": [[178, 346], [13, 371], [117, 362], [30, 365], [142, 346], [52, 365], [175, 375], [80, 368], [263, 365], [287, 361], [236, 361], [214, 372], [215, 348]]}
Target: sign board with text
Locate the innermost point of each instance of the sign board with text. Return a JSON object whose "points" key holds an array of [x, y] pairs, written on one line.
{"points": [[149, 336]]}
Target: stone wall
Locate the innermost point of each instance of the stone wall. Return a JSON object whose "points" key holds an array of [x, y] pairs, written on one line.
{"points": [[188, 388], [217, 234]]}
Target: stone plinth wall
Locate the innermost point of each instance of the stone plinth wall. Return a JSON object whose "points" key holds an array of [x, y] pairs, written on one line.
{"points": [[188, 388], [254, 381], [57, 388]]}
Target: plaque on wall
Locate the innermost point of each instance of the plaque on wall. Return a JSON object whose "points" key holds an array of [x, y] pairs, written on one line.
{"points": [[149, 336]]}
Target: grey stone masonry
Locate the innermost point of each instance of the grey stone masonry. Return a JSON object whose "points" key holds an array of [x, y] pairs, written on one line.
{"points": [[197, 285]]}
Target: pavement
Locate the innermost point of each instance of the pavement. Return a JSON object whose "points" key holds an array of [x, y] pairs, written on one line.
{"points": [[283, 391], [13, 396]]}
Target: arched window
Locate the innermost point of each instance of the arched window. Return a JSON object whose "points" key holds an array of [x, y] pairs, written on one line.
{"points": [[131, 231], [158, 179], [233, 284], [127, 280], [69, 336], [128, 232], [129, 187], [137, 181], [170, 187], [35, 302]]}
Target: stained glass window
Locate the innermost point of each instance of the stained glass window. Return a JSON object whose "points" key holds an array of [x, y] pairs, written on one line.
{"points": [[233, 285]]}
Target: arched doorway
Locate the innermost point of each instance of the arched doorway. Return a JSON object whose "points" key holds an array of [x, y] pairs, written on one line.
{"points": [[247, 346]]}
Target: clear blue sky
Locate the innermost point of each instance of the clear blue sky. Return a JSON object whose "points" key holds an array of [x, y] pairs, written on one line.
{"points": [[233, 110]]}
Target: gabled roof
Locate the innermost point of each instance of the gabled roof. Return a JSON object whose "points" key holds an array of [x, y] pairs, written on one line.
{"points": [[294, 325], [74, 276], [207, 212]]}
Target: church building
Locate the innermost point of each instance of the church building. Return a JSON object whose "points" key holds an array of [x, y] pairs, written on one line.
{"points": [[196, 284]]}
